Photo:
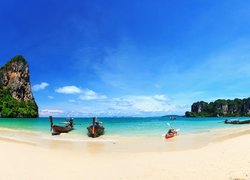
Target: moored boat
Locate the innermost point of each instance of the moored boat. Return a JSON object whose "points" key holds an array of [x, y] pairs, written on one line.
{"points": [[237, 122], [96, 129], [56, 130]]}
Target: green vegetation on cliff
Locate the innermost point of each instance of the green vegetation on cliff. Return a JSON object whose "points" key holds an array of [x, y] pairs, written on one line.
{"points": [[220, 107], [16, 98], [10, 107], [18, 58]]}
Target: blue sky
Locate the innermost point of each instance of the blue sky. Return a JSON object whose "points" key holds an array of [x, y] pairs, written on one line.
{"points": [[129, 58]]}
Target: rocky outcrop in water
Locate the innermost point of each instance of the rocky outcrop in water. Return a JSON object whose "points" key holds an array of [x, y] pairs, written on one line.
{"points": [[220, 107], [199, 106], [15, 90]]}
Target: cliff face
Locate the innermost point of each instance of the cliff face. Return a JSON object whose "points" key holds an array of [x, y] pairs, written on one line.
{"points": [[15, 75], [15, 80], [198, 107], [220, 107]]}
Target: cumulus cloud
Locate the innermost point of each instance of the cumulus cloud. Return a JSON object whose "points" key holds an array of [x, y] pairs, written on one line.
{"points": [[39, 87], [155, 103], [88, 94], [52, 110], [69, 90], [85, 94], [50, 97], [132, 105], [161, 97], [48, 112], [151, 104]]}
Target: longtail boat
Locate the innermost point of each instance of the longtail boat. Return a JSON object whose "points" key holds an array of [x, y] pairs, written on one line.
{"points": [[96, 129], [56, 130], [236, 122]]}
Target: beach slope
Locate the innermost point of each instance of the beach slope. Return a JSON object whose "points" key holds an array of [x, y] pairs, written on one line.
{"points": [[227, 158]]}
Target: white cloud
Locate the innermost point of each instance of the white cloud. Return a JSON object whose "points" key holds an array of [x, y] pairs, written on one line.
{"points": [[85, 94], [152, 104], [88, 94], [52, 110], [48, 112], [39, 87], [69, 90], [161, 97], [50, 97]]}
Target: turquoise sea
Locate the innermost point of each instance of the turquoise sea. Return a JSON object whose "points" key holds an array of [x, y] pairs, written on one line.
{"points": [[124, 126]]}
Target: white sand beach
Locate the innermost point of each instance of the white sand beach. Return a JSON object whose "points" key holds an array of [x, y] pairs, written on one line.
{"points": [[224, 156]]}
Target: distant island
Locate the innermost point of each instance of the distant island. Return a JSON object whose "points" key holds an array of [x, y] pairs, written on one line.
{"points": [[16, 98], [220, 108], [171, 116]]}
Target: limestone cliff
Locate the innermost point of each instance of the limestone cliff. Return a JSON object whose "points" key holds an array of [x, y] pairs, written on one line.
{"points": [[198, 106], [15, 80], [220, 107]]}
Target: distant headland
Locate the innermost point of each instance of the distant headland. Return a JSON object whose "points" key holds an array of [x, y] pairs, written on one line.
{"points": [[220, 108], [16, 98]]}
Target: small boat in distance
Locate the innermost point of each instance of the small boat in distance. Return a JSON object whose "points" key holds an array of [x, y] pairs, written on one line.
{"points": [[96, 129], [236, 122], [57, 130], [172, 118]]}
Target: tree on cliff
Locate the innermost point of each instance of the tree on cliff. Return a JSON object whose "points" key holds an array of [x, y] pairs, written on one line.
{"points": [[220, 107], [16, 98]]}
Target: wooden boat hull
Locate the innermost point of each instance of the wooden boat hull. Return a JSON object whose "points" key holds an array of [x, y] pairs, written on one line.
{"points": [[57, 130], [95, 131], [61, 129]]}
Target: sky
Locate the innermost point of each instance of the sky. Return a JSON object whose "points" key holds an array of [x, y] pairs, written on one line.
{"points": [[129, 58]]}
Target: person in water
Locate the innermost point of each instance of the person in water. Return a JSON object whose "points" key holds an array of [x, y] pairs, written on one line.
{"points": [[171, 131]]}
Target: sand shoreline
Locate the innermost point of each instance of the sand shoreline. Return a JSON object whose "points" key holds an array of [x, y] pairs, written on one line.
{"points": [[122, 143], [224, 156]]}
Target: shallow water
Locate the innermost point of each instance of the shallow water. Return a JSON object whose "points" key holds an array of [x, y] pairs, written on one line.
{"points": [[125, 126]]}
